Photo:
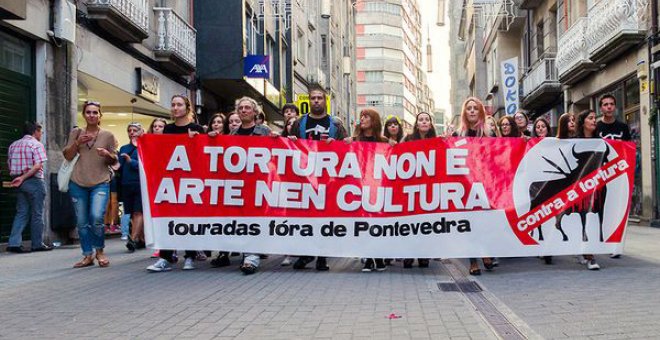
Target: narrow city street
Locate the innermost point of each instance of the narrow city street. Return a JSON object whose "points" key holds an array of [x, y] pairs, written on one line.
{"points": [[41, 296]]}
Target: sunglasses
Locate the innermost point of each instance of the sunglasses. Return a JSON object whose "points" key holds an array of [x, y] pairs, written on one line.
{"points": [[91, 102]]}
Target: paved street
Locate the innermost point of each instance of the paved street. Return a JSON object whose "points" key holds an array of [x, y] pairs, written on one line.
{"points": [[41, 296]]}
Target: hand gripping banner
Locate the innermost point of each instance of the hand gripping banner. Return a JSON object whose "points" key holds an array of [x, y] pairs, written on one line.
{"points": [[447, 198]]}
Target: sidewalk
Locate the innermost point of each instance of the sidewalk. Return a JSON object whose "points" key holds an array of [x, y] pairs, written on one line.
{"points": [[42, 296]]}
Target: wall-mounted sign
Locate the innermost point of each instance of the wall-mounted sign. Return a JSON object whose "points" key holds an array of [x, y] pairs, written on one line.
{"points": [[148, 85], [256, 66], [510, 82]]}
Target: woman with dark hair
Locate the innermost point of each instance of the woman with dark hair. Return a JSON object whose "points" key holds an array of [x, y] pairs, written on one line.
{"points": [[288, 124], [157, 126], [233, 121], [522, 121], [473, 124], [89, 187], [369, 130], [566, 126], [393, 130], [508, 127], [184, 123], [423, 129], [586, 128], [541, 128], [218, 125]]}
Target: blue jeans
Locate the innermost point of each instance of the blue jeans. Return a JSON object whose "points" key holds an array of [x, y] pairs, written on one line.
{"points": [[89, 204], [30, 200], [125, 220]]}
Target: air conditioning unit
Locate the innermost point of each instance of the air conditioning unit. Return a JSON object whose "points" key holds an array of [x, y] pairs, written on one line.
{"points": [[64, 25]]}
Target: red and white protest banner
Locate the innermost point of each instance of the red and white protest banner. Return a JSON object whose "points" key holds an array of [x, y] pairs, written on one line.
{"points": [[449, 198]]}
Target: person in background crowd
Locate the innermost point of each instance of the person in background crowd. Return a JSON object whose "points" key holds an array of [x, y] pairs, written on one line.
{"points": [[112, 210], [473, 124], [290, 110], [541, 128], [89, 187], [317, 125], [260, 118], [26, 158], [233, 121], [610, 128], [566, 126], [157, 126], [288, 125], [393, 130], [217, 125], [586, 128], [423, 129], [508, 127], [247, 109], [522, 121], [184, 123], [369, 130], [130, 187], [492, 125]]}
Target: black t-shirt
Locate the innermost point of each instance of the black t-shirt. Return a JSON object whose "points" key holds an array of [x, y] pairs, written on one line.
{"points": [[318, 129], [245, 132], [175, 129], [616, 130], [368, 139]]}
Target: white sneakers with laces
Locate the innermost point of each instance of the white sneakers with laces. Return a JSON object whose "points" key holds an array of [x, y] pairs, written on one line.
{"points": [[188, 264], [160, 266]]}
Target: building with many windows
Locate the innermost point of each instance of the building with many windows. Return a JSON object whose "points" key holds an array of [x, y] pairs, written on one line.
{"points": [[389, 59]]}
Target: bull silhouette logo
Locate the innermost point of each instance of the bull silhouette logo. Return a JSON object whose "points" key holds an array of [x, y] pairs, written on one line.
{"points": [[587, 162], [552, 166]]}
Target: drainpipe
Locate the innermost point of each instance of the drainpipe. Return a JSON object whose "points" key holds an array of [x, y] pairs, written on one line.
{"points": [[655, 123]]}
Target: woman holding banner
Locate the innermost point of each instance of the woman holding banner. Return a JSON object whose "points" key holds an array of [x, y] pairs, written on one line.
{"points": [[89, 186], [183, 116], [473, 124], [369, 130], [393, 130], [566, 126], [423, 129], [508, 127]]}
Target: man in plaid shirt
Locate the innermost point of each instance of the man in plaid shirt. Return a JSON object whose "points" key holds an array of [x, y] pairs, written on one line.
{"points": [[26, 158]]}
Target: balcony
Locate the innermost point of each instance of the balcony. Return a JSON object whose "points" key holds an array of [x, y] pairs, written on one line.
{"points": [[501, 15], [573, 63], [175, 46], [128, 20], [541, 85], [614, 27]]}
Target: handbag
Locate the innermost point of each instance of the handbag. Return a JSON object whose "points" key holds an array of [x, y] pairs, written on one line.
{"points": [[65, 171]]}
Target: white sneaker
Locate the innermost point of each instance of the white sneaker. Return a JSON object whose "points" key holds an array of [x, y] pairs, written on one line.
{"points": [[160, 266], [592, 265], [188, 265], [124, 238], [286, 261]]}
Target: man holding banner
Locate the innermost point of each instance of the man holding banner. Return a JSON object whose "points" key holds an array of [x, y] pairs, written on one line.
{"points": [[317, 125]]}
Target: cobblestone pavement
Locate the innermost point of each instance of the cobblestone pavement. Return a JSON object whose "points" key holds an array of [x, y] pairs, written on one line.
{"points": [[41, 296]]}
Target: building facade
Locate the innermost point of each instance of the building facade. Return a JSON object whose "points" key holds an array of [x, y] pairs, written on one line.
{"points": [[389, 59], [307, 42], [570, 53], [129, 55]]}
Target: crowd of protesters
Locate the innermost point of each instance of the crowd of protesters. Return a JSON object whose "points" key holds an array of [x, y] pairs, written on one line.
{"points": [[103, 175]]}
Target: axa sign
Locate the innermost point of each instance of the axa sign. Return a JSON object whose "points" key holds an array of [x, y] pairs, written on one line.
{"points": [[257, 66]]}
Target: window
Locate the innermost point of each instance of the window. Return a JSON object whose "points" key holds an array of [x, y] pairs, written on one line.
{"points": [[15, 54], [387, 53], [382, 7], [324, 49], [270, 49], [251, 31], [373, 76], [379, 30], [373, 100], [301, 44], [540, 35]]}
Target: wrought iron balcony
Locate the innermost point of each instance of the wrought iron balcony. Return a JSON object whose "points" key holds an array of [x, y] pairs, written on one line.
{"points": [[573, 61], [541, 85], [175, 44], [614, 27], [128, 20]]}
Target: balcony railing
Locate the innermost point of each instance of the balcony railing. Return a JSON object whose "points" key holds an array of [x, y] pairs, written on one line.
{"points": [[614, 23], [176, 38], [572, 47], [128, 19], [543, 73]]}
